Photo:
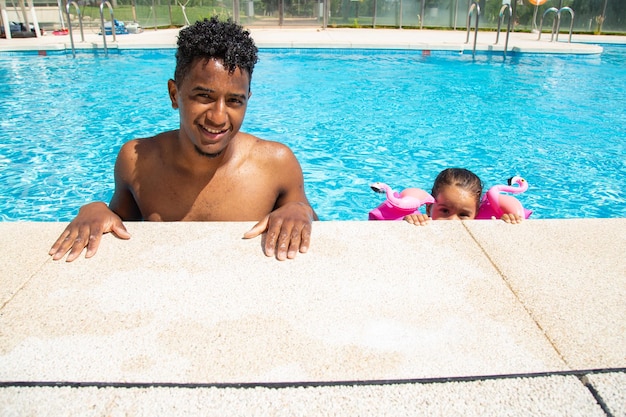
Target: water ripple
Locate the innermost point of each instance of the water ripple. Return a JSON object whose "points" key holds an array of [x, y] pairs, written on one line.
{"points": [[352, 118]]}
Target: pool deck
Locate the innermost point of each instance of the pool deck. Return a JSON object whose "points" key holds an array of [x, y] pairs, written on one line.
{"points": [[289, 37], [475, 318]]}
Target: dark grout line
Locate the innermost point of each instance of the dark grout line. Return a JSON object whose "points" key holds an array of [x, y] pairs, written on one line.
{"points": [[580, 373], [596, 395]]}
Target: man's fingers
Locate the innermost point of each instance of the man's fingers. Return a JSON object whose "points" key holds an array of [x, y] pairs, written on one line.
{"points": [[74, 242], [63, 244], [297, 240], [257, 229], [93, 244], [74, 252], [305, 239], [273, 238], [86, 230], [76, 247], [60, 242], [120, 231], [283, 244], [285, 235]]}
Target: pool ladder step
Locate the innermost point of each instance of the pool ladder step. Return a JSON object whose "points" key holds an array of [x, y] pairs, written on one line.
{"points": [[474, 8], [80, 22]]}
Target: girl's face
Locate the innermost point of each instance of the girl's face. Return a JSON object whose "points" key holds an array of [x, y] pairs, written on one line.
{"points": [[453, 203]]}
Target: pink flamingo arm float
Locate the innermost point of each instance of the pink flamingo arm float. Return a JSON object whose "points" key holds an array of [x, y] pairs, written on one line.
{"points": [[494, 204], [397, 205]]}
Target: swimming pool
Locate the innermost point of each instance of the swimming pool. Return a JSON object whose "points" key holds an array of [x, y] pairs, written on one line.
{"points": [[352, 117]]}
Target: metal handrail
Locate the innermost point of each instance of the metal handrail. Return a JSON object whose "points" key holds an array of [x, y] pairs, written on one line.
{"points": [[508, 28], [473, 7], [69, 24], [558, 22], [548, 10], [104, 33]]}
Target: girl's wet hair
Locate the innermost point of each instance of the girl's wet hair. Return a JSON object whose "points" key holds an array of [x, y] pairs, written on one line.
{"points": [[459, 177], [212, 39]]}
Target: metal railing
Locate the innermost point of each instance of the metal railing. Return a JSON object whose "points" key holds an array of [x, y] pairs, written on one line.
{"points": [[474, 7], [505, 7], [104, 33], [557, 22], [69, 24]]}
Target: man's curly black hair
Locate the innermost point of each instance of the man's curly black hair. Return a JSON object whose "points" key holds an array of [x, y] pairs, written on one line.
{"points": [[211, 38]]}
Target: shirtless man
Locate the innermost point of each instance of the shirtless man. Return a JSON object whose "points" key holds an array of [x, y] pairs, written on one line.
{"points": [[207, 170]]}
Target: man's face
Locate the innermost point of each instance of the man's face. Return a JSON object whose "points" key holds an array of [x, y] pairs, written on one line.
{"points": [[212, 105]]}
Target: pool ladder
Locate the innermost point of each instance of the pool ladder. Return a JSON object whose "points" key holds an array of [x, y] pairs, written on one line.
{"points": [[557, 22], [104, 34], [507, 8], [473, 8], [80, 22], [69, 24]]}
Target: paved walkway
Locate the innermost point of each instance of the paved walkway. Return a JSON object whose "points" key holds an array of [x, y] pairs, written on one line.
{"points": [[379, 318], [336, 38]]}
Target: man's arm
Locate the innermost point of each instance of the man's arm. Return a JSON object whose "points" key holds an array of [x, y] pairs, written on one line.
{"points": [[288, 226]]}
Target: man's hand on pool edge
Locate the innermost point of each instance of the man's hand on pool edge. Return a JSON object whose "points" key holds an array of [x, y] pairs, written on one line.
{"points": [[288, 230], [86, 230]]}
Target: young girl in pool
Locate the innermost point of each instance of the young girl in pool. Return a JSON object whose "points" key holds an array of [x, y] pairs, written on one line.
{"points": [[457, 193]]}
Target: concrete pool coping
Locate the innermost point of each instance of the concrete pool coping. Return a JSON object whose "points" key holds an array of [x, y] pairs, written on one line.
{"points": [[379, 318], [312, 37]]}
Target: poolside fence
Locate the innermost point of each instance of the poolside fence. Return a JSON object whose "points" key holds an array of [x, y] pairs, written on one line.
{"points": [[589, 16]]}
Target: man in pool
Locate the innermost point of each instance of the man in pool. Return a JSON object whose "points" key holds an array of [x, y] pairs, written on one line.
{"points": [[207, 170]]}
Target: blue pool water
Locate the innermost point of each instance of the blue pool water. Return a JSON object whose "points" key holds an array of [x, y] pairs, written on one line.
{"points": [[351, 117]]}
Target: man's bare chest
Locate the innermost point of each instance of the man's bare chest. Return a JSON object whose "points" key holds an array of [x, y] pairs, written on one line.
{"points": [[218, 199]]}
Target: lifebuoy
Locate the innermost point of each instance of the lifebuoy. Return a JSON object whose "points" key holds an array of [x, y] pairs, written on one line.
{"points": [[537, 2]]}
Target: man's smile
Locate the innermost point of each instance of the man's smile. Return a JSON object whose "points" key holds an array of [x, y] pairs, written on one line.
{"points": [[214, 132]]}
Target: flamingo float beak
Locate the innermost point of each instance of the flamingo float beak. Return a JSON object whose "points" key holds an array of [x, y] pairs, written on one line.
{"points": [[516, 180]]}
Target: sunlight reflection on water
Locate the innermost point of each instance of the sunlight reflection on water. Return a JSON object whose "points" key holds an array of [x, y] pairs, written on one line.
{"points": [[352, 118]]}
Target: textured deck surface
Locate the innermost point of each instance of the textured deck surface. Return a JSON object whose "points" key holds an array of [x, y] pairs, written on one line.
{"points": [[379, 318]]}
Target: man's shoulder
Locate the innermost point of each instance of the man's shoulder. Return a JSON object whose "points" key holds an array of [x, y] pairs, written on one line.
{"points": [[264, 147], [146, 149], [152, 143]]}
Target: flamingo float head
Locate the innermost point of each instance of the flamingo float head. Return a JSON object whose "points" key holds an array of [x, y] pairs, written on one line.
{"points": [[494, 204], [380, 187], [520, 182], [397, 205]]}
